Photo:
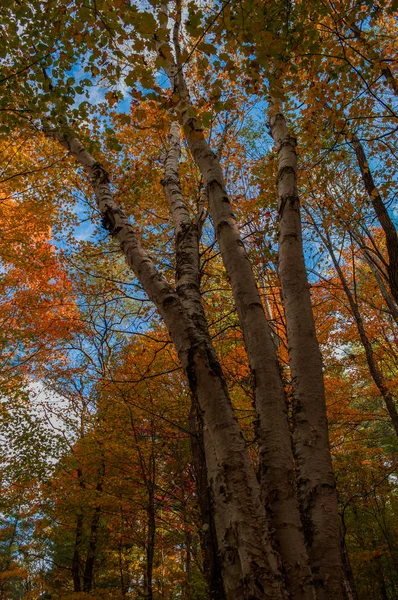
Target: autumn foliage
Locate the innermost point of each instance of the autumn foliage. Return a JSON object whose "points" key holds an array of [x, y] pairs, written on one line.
{"points": [[198, 263]]}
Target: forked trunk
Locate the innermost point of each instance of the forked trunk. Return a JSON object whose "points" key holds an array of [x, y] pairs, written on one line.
{"points": [[249, 563], [273, 433]]}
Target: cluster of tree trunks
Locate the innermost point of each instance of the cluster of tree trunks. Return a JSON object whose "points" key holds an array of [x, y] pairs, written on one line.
{"points": [[273, 534]]}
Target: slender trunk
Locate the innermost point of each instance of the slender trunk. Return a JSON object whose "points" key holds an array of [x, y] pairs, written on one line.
{"points": [[273, 432], [92, 551], [392, 307], [316, 481], [76, 559], [381, 581], [76, 554], [350, 590], [376, 59], [188, 555], [250, 566], [374, 264], [373, 368], [93, 537], [123, 585], [150, 543], [382, 214]]}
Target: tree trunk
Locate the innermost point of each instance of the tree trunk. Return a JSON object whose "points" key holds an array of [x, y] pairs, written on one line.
{"points": [[392, 306], [208, 536], [187, 236], [375, 372], [382, 215], [88, 573], [76, 559], [150, 543], [350, 590], [76, 554], [249, 563], [91, 552], [273, 432], [316, 483]]}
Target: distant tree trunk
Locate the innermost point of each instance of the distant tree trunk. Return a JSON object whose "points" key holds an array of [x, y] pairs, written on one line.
{"points": [[376, 265], [123, 582], [148, 472], [76, 565], [350, 590], [91, 552], [383, 217], [375, 372], [88, 572], [381, 581], [188, 560], [316, 483], [349, 583], [150, 543], [76, 559], [392, 306]]}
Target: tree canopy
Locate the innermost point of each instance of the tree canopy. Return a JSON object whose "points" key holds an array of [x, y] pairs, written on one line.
{"points": [[198, 300]]}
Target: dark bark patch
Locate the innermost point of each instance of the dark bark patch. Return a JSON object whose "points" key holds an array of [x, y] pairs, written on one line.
{"points": [[221, 226], [100, 176]]}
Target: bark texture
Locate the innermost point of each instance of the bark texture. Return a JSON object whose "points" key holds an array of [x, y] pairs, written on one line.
{"points": [[187, 239], [316, 482], [208, 535], [250, 566], [273, 432]]}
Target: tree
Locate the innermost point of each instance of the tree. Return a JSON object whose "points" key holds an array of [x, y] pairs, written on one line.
{"points": [[169, 179]]}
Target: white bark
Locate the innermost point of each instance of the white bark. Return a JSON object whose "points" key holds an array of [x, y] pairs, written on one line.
{"points": [[315, 473], [250, 565], [273, 432]]}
